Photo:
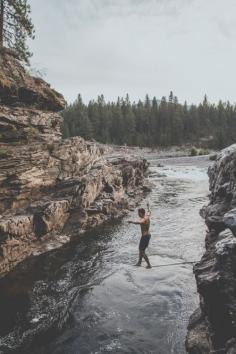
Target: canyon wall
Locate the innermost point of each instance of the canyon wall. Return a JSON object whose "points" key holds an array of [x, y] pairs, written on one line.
{"points": [[212, 328]]}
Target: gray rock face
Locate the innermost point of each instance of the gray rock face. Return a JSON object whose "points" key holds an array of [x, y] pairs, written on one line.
{"points": [[52, 189], [229, 220], [213, 327]]}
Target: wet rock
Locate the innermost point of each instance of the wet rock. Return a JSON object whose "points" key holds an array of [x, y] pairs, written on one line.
{"points": [[198, 340], [147, 187], [231, 346], [213, 157], [216, 272], [230, 220]]}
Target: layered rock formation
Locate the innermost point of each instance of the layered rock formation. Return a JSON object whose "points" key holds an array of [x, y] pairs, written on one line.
{"points": [[51, 189], [212, 328]]}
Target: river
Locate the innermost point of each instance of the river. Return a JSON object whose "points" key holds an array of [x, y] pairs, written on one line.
{"points": [[89, 298]]}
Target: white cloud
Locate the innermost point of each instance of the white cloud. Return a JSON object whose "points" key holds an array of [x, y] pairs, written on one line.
{"points": [[137, 46]]}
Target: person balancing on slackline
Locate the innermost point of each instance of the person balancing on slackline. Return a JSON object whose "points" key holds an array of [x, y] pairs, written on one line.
{"points": [[144, 222]]}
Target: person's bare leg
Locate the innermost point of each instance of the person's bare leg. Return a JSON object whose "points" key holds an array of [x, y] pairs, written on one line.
{"points": [[140, 259], [146, 259]]}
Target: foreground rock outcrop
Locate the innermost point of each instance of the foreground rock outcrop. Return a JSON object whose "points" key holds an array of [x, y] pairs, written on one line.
{"points": [[51, 189], [212, 328]]}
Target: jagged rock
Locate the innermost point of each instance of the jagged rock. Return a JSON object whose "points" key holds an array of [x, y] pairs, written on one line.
{"points": [[52, 189], [41, 187], [230, 220], [213, 157], [23, 126], [199, 340], [216, 272], [29, 170], [231, 346]]}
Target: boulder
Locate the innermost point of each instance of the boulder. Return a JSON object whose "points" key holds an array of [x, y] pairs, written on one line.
{"points": [[229, 220]]}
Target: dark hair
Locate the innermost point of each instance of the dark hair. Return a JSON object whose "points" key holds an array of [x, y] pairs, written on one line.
{"points": [[141, 211]]}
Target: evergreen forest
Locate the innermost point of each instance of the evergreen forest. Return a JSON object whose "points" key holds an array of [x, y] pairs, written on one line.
{"points": [[152, 122]]}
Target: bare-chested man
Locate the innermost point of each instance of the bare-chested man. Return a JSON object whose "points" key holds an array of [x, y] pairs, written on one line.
{"points": [[144, 222]]}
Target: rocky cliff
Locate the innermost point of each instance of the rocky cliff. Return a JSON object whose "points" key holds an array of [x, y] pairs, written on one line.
{"points": [[51, 189], [212, 328]]}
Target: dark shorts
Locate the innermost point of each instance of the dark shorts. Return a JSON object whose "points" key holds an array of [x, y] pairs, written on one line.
{"points": [[144, 241]]}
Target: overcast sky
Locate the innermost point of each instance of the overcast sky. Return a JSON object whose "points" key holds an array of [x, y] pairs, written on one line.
{"points": [[137, 46]]}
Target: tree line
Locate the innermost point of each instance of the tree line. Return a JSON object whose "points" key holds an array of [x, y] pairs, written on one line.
{"points": [[152, 122]]}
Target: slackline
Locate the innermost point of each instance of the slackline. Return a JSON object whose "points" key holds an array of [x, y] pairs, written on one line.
{"points": [[173, 264]]}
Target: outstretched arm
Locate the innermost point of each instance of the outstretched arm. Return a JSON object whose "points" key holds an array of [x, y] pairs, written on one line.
{"points": [[148, 209], [136, 222]]}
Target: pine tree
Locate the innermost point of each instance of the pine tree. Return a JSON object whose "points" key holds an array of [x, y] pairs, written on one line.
{"points": [[171, 97], [128, 121], [16, 26], [152, 123], [117, 128], [176, 100]]}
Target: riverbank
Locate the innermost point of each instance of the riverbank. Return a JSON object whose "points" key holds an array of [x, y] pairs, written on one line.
{"points": [[169, 152]]}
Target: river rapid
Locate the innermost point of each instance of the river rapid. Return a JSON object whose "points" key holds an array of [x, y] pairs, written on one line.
{"points": [[89, 298]]}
